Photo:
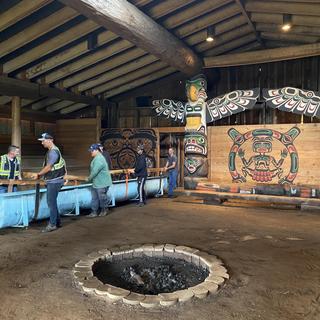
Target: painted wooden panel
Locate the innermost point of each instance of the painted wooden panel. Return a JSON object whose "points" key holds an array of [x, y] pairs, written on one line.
{"points": [[122, 145], [265, 154]]}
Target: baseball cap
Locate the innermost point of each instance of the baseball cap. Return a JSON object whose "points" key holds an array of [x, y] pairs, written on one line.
{"points": [[93, 147], [45, 136]]}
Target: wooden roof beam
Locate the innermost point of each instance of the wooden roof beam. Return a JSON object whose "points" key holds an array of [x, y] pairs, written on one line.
{"points": [[291, 37], [230, 45], [139, 82], [308, 9], [297, 20], [106, 65], [131, 76], [73, 108], [263, 56], [268, 27], [129, 22], [36, 30], [29, 90], [245, 14], [50, 45], [19, 11]]}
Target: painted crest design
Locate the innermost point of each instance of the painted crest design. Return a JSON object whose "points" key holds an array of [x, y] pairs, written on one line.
{"points": [[122, 145], [294, 100], [262, 165]]}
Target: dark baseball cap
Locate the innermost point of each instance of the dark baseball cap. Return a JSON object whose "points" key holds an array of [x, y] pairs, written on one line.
{"points": [[94, 147], [45, 136]]}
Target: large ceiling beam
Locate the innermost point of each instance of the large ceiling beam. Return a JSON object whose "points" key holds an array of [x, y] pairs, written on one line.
{"points": [[29, 90], [129, 22], [298, 38], [263, 56]]}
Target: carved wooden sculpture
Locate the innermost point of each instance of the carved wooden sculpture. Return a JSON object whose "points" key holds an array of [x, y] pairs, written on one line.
{"points": [[196, 113]]}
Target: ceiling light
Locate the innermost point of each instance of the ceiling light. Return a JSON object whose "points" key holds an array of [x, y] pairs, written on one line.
{"points": [[210, 34], [287, 22]]}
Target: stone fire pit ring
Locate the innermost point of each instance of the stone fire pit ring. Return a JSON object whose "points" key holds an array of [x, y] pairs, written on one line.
{"points": [[85, 279]]}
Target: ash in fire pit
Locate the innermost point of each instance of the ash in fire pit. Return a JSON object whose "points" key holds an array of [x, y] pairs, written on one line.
{"points": [[149, 275]]}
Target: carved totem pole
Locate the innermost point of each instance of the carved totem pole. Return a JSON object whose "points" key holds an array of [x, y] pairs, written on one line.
{"points": [[196, 113]]}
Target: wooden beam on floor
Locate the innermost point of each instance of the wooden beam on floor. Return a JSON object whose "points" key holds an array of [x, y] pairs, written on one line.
{"points": [[129, 22], [263, 56], [250, 197]]}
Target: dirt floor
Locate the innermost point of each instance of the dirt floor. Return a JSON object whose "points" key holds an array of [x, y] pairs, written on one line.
{"points": [[273, 257]]}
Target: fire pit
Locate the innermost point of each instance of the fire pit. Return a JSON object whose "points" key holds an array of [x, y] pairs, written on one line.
{"points": [[150, 275]]}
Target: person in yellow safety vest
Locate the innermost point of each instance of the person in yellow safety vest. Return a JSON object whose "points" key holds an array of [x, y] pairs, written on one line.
{"points": [[10, 167], [53, 172]]}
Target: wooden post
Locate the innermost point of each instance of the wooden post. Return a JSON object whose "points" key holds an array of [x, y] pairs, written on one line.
{"points": [[16, 122], [98, 118]]}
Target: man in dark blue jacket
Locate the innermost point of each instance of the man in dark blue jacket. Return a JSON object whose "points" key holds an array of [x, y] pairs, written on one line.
{"points": [[141, 173]]}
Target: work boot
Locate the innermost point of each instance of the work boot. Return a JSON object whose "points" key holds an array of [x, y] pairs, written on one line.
{"points": [[104, 212], [49, 228], [93, 214]]}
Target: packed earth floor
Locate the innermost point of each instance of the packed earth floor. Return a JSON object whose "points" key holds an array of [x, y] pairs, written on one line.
{"points": [[272, 255]]}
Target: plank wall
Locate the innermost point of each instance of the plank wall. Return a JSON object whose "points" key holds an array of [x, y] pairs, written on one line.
{"points": [[307, 144], [74, 137]]}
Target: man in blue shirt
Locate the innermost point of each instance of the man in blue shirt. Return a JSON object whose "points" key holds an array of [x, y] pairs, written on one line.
{"points": [[172, 168], [53, 171]]}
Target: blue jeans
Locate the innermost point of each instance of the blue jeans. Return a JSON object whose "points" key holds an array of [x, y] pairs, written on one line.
{"points": [[99, 199], [4, 189], [173, 174], [52, 195]]}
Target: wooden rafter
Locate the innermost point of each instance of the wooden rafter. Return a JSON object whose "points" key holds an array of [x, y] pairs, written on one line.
{"points": [[36, 30], [126, 20], [29, 90], [19, 11], [308, 9], [245, 14]]}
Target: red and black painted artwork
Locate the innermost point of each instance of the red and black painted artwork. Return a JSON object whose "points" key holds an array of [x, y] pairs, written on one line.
{"points": [[122, 145], [264, 156]]}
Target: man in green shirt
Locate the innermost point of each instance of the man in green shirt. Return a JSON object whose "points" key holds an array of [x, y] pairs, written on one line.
{"points": [[101, 181]]}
